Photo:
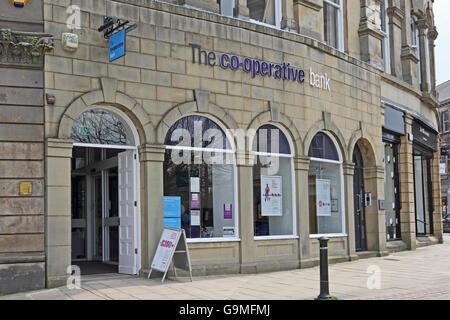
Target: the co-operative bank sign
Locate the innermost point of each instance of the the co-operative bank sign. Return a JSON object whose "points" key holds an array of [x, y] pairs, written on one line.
{"points": [[257, 67]]}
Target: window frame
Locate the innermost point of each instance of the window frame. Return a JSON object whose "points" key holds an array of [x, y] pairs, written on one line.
{"points": [[236, 237], [340, 162], [294, 234], [445, 123], [228, 3], [278, 16], [340, 23]]}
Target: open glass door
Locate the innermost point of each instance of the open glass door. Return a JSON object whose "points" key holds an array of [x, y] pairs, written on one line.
{"points": [[128, 212]]}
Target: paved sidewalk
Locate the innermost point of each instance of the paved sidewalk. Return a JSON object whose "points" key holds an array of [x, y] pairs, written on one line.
{"points": [[420, 274]]}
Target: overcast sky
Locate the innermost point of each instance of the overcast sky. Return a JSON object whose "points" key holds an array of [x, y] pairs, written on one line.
{"points": [[442, 20]]}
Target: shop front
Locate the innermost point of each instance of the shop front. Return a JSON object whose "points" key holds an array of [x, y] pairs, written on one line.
{"points": [[424, 147], [393, 130]]}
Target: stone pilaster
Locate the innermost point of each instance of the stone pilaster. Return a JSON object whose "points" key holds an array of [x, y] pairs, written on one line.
{"points": [[349, 173], [370, 36], [375, 218], [58, 212], [308, 15], [406, 172], [245, 162], [408, 56], [437, 196], [152, 192], [301, 165], [432, 35], [422, 25], [240, 9], [287, 21], [396, 17]]}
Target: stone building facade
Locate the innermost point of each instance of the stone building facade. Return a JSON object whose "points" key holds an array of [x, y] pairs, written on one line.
{"points": [[443, 91], [347, 86], [22, 48]]}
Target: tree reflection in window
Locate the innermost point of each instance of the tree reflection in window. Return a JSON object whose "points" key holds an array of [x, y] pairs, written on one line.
{"points": [[101, 127]]}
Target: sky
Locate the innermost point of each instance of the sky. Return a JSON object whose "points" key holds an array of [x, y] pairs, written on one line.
{"points": [[441, 11]]}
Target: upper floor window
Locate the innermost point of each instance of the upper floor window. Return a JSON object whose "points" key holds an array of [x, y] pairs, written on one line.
{"points": [[445, 121], [265, 11], [384, 28], [333, 23], [226, 7]]}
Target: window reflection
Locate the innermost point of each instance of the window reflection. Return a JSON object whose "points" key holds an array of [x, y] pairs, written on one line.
{"points": [[101, 127]]}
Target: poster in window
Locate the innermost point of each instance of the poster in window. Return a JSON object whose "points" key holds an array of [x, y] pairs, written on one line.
{"points": [[195, 201], [271, 196], [195, 217], [323, 198], [195, 185], [334, 205]]}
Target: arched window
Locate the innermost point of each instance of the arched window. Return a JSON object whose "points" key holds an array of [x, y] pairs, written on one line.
{"points": [[325, 188], [199, 177], [273, 183], [99, 126]]}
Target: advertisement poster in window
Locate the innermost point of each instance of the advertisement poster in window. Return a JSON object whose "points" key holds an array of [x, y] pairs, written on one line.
{"points": [[271, 196], [323, 197]]}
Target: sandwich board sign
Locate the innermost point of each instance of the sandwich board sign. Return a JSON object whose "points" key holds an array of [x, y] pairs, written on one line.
{"points": [[172, 247]]}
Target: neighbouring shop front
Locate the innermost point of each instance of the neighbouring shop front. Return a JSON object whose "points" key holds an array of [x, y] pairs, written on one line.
{"points": [[393, 130], [424, 147]]}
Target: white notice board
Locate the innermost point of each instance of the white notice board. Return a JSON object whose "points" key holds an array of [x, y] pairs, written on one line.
{"points": [[323, 198], [171, 248]]}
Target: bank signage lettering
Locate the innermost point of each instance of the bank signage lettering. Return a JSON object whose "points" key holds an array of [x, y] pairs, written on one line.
{"points": [[256, 67]]}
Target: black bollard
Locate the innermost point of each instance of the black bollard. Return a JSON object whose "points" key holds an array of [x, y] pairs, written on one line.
{"points": [[324, 289]]}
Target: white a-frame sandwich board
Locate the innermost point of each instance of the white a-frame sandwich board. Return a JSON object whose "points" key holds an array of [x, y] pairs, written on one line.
{"points": [[171, 248]]}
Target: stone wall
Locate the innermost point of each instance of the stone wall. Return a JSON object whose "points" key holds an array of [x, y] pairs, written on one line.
{"points": [[157, 77], [22, 254]]}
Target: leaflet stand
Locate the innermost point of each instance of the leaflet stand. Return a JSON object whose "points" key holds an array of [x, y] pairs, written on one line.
{"points": [[171, 249]]}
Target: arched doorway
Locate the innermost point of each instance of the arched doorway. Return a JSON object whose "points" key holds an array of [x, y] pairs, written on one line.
{"points": [[105, 193], [359, 201]]}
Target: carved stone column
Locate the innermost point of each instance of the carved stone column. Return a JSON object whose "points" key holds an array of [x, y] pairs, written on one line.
{"points": [[422, 25], [288, 22], [408, 56], [308, 15], [432, 35], [396, 17], [370, 36]]}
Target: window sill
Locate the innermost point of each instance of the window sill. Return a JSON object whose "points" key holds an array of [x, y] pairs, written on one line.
{"points": [[328, 235], [204, 240], [257, 238]]}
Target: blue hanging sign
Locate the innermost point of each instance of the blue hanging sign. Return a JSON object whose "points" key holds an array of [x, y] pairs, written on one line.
{"points": [[117, 45]]}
